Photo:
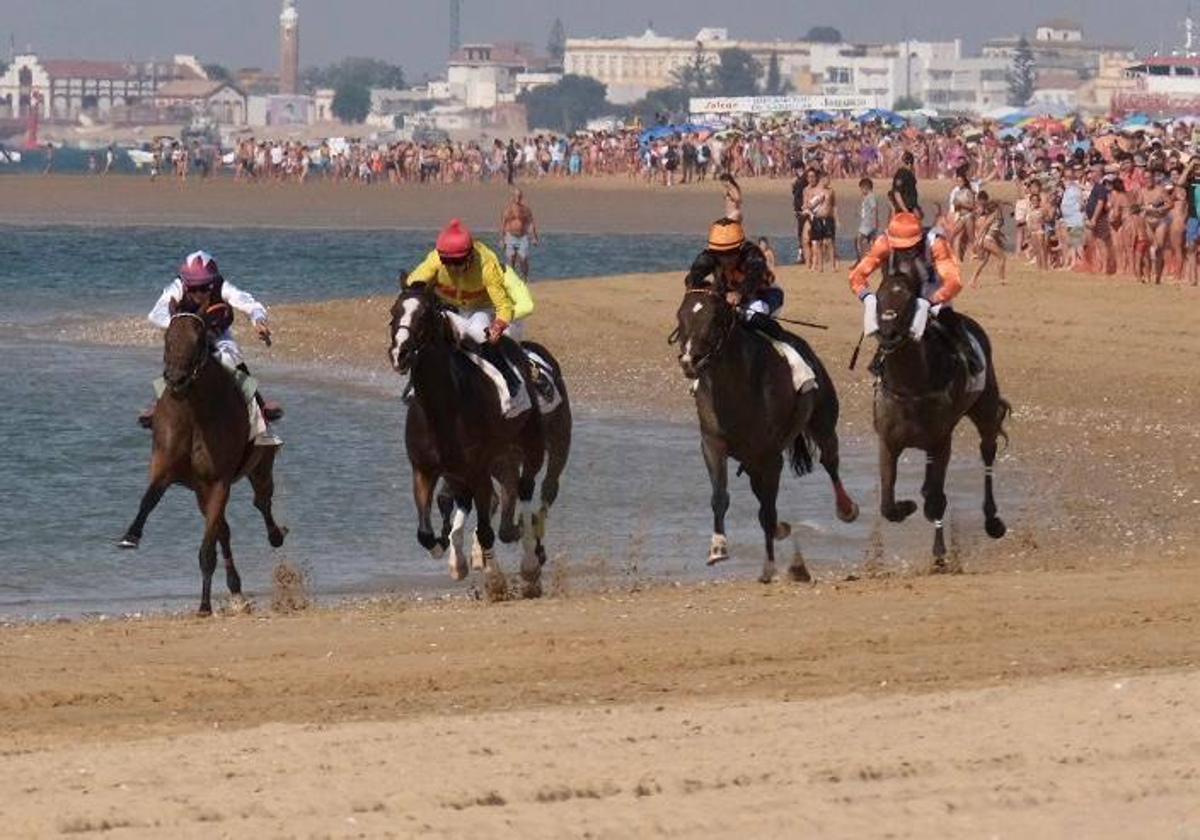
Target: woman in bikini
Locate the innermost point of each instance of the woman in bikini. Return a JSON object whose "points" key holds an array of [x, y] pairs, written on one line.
{"points": [[991, 236]]}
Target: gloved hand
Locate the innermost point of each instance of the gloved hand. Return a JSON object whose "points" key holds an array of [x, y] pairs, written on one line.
{"points": [[870, 315], [920, 319], [496, 330]]}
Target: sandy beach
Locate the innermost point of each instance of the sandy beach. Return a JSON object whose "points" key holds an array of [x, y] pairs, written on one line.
{"points": [[1047, 691]]}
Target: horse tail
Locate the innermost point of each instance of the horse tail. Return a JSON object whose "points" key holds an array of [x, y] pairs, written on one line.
{"points": [[801, 454]]}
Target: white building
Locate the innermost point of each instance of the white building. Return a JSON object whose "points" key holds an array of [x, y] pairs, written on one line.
{"points": [[482, 76], [222, 102], [70, 87]]}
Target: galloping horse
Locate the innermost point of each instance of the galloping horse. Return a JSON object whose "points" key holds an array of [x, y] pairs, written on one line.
{"points": [[460, 432], [923, 392], [202, 441], [750, 410]]}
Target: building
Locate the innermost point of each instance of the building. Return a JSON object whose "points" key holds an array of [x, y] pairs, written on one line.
{"points": [[1060, 52], [289, 49], [632, 67], [73, 87], [482, 76], [966, 84], [1162, 86], [221, 102]]}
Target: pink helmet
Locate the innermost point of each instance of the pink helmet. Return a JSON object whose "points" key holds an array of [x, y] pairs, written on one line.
{"points": [[199, 270]]}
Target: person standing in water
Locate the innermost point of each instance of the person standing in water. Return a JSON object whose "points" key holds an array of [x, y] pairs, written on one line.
{"points": [[517, 226]]}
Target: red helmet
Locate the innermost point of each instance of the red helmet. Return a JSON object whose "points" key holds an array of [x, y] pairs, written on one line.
{"points": [[199, 270], [455, 243]]}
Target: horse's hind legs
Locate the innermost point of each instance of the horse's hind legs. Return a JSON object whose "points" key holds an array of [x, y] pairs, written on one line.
{"points": [[764, 481], [989, 421], [424, 484], [935, 500], [262, 479], [827, 442], [232, 579]]}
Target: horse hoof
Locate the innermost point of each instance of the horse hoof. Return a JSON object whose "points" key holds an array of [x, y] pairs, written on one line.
{"points": [[766, 577], [495, 587], [800, 573], [438, 551], [900, 511], [204, 612], [276, 537], [540, 551], [531, 589], [995, 528], [459, 571], [128, 543], [509, 534], [718, 555], [850, 514], [783, 530]]}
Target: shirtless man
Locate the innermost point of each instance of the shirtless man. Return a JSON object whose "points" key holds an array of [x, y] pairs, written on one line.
{"points": [[820, 207], [517, 226], [733, 198]]}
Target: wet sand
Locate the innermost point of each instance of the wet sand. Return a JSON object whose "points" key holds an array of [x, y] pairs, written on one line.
{"points": [[1048, 691]]}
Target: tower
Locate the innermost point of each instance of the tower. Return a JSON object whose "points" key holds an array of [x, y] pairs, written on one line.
{"points": [[289, 49], [455, 25]]}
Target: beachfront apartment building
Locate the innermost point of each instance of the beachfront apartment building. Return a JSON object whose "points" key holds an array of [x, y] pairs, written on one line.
{"points": [[932, 72], [1061, 54], [70, 88]]}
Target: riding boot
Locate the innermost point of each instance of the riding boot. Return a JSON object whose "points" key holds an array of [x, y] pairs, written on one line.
{"points": [[767, 325], [494, 354]]}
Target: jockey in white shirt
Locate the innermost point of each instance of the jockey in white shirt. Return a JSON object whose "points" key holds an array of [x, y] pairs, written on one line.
{"points": [[201, 289]]}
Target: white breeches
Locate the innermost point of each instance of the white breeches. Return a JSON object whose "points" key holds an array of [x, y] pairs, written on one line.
{"points": [[227, 351], [474, 325]]}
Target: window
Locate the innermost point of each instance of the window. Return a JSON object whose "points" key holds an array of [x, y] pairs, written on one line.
{"points": [[1185, 71], [839, 75]]}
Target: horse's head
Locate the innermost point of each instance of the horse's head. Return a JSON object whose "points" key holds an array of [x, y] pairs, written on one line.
{"points": [[185, 350], [703, 323], [896, 300], [416, 320]]}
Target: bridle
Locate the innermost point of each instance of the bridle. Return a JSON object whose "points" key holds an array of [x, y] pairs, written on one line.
{"points": [[699, 364], [202, 352], [416, 332]]}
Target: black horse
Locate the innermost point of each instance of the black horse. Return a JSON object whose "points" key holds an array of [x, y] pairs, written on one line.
{"points": [[750, 411], [923, 392], [460, 433]]}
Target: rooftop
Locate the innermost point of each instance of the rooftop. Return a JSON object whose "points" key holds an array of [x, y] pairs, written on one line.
{"points": [[193, 88]]}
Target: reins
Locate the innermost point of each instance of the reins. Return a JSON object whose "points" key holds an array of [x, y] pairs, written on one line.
{"points": [[202, 356]]}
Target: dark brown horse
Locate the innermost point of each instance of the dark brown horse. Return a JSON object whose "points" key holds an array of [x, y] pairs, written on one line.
{"points": [[750, 411], [202, 441], [922, 395], [458, 432]]}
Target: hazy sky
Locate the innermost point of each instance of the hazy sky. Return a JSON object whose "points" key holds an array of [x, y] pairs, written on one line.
{"points": [[414, 33]]}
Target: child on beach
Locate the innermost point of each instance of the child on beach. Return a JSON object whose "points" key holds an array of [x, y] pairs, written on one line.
{"points": [[868, 219]]}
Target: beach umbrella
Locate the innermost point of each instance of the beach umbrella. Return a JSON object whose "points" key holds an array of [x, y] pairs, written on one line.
{"points": [[1012, 133], [1015, 118], [820, 117]]}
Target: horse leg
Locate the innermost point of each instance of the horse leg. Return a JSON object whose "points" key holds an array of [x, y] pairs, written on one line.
{"points": [[458, 555], [716, 459], [764, 481], [159, 482], [988, 415], [213, 499], [534, 553], [507, 476], [485, 536], [892, 510], [935, 500], [232, 579], [445, 503], [424, 482], [558, 449], [262, 480], [824, 434]]}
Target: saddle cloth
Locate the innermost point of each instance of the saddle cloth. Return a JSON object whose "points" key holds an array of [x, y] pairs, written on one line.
{"points": [[546, 371], [511, 407], [803, 378], [975, 383]]}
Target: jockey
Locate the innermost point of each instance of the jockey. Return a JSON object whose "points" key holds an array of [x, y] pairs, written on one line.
{"points": [[740, 271], [200, 289], [469, 276], [941, 279]]}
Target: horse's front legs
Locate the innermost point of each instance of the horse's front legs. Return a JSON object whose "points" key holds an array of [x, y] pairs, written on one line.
{"points": [[764, 481], [424, 483], [159, 482], [213, 499], [891, 510], [485, 535], [716, 455], [935, 499]]}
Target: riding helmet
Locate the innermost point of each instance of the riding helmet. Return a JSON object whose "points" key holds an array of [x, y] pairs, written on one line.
{"points": [[454, 242], [904, 230], [199, 270], [726, 235]]}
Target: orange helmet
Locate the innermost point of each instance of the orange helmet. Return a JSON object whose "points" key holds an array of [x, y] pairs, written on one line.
{"points": [[726, 235], [904, 230]]}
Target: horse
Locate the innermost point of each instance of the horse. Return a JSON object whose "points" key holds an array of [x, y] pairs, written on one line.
{"points": [[921, 396], [202, 441], [458, 432], [749, 410]]}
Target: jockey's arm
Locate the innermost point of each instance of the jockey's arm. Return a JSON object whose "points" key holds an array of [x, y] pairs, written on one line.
{"points": [[244, 302], [493, 281], [860, 275], [948, 271], [160, 315], [704, 266], [426, 272]]}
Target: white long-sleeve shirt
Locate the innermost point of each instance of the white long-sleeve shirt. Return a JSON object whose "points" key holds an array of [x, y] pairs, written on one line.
{"points": [[244, 302]]}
